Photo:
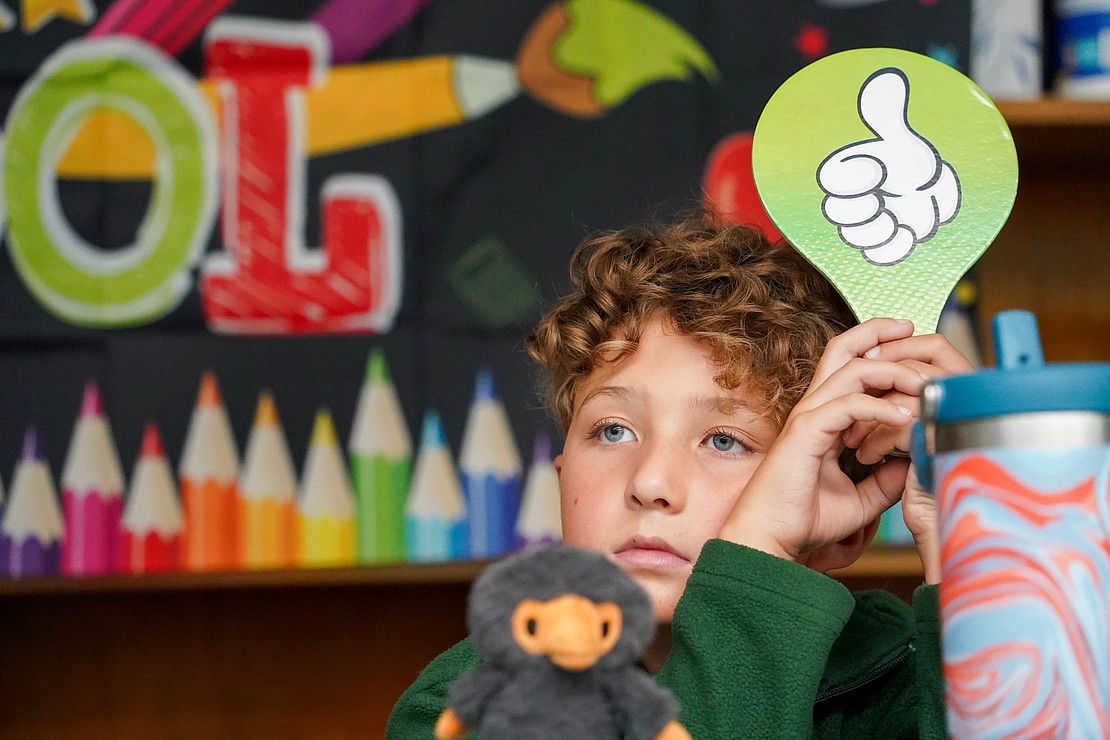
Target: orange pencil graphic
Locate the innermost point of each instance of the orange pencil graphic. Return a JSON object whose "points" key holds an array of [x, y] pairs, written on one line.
{"points": [[267, 486], [208, 473]]}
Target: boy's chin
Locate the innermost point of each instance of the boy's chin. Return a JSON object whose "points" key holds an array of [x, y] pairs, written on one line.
{"points": [[663, 596]]}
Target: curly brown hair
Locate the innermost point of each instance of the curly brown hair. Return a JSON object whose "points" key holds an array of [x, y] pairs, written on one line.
{"points": [[765, 313]]}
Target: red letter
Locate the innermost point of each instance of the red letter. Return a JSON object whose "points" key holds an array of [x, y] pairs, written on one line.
{"points": [[267, 281]]}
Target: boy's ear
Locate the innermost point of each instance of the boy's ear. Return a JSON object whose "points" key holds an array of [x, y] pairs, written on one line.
{"points": [[845, 552], [558, 463]]}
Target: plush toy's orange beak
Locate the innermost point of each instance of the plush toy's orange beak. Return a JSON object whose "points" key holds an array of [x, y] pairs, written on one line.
{"points": [[571, 630]]}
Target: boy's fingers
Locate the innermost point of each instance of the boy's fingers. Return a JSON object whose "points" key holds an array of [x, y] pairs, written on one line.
{"points": [[884, 441], [883, 488], [866, 376], [931, 349], [856, 342], [854, 435], [816, 430]]}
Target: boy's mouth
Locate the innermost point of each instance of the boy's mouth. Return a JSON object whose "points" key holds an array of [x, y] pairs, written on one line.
{"points": [[650, 553]]}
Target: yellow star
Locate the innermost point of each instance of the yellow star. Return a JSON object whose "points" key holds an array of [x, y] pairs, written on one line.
{"points": [[37, 12]]}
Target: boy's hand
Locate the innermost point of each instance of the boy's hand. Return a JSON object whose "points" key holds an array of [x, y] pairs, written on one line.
{"points": [[864, 396], [919, 510], [934, 356]]}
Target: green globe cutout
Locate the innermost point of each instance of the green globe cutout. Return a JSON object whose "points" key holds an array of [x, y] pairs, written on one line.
{"points": [[891, 172]]}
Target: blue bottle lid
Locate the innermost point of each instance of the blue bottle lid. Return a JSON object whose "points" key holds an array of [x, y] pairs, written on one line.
{"points": [[1022, 382]]}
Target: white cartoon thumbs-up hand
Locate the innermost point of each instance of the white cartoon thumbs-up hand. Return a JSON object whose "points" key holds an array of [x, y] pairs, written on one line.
{"points": [[888, 194]]}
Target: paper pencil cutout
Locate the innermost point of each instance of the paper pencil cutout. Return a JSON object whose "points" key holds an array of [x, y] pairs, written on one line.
{"points": [[151, 536], [31, 530], [209, 471], [326, 504], [267, 486], [540, 521], [490, 468], [381, 466], [92, 493], [435, 513]]}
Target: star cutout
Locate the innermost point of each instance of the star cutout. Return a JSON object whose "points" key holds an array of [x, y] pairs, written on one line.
{"points": [[37, 13]]}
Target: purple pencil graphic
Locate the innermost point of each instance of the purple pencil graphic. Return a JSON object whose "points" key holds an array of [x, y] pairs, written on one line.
{"points": [[92, 493], [491, 470], [31, 530], [540, 521], [355, 27]]}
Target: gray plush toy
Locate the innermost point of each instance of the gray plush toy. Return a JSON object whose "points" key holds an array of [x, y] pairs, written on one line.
{"points": [[561, 630]]}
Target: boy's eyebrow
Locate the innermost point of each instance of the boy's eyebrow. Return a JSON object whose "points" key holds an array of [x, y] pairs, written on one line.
{"points": [[721, 403], [620, 392]]}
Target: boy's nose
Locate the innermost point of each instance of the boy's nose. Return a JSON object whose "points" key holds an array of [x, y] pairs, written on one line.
{"points": [[658, 482]]}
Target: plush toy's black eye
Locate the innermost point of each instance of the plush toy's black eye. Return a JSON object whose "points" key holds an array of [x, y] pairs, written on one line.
{"points": [[604, 629], [531, 626]]}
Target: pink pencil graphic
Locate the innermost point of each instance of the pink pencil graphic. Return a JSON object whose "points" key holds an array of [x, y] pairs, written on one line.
{"points": [[209, 471], [92, 493], [168, 24], [267, 489], [326, 504], [540, 521], [31, 530], [152, 519]]}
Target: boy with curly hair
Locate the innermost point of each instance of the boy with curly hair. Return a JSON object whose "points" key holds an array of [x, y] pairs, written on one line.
{"points": [[712, 387]]}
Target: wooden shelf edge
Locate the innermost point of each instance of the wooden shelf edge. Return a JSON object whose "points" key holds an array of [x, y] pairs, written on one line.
{"points": [[371, 575], [895, 562], [1054, 112], [878, 561]]}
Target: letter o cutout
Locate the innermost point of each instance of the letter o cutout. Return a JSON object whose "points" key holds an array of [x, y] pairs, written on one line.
{"points": [[71, 278]]}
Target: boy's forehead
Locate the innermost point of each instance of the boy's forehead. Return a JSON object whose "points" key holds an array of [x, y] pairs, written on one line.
{"points": [[729, 402]]}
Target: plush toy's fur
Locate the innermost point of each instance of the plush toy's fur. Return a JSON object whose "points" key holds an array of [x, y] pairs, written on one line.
{"points": [[515, 694]]}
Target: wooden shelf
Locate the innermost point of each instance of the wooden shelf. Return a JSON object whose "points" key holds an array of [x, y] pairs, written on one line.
{"points": [[376, 575], [876, 562], [1052, 112]]}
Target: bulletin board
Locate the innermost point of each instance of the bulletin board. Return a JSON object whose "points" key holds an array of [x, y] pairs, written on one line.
{"points": [[272, 190]]}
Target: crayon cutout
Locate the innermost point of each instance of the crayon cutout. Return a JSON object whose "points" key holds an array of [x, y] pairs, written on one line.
{"points": [[92, 493], [267, 487], [152, 524], [381, 465], [326, 504], [435, 513], [490, 468], [208, 472], [540, 520], [31, 530]]}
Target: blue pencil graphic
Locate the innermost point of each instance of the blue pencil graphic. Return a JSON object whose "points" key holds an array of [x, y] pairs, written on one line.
{"points": [[491, 472], [435, 512]]}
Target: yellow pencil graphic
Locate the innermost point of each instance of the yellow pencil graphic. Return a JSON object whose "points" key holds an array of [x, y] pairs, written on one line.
{"points": [[326, 504]]}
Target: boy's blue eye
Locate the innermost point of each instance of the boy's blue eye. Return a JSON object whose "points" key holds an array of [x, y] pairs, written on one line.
{"points": [[613, 433], [725, 443]]}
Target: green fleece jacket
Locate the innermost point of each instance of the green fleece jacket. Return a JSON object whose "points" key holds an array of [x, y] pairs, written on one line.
{"points": [[766, 648]]}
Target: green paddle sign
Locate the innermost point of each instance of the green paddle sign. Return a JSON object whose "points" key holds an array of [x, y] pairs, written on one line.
{"points": [[891, 172]]}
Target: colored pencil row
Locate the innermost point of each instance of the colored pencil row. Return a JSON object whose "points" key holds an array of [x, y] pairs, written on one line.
{"points": [[221, 513]]}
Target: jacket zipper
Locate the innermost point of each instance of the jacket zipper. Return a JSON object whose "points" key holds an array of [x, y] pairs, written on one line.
{"points": [[875, 673]]}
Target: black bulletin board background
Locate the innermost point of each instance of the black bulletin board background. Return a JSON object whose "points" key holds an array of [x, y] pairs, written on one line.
{"points": [[524, 177]]}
